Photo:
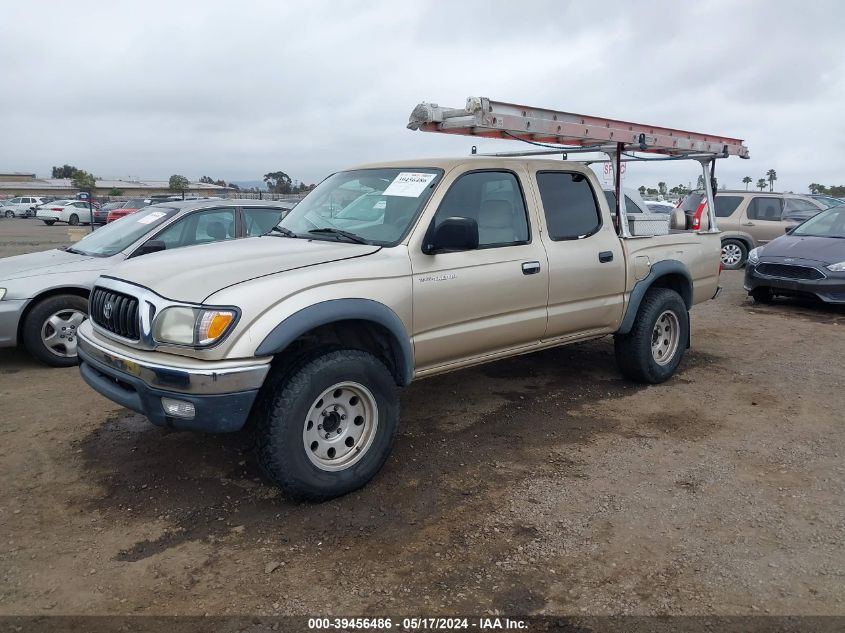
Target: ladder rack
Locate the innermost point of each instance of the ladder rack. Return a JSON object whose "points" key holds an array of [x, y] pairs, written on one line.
{"points": [[555, 130], [495, 119]]}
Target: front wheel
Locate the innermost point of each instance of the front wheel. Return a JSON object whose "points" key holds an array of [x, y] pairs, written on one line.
{"points": [[50, 329], [653, 349], [10, 214], [734, 254], [74, 220], [762, 295], [326, 428]]}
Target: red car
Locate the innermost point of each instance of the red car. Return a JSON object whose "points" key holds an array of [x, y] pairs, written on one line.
{"points": [[127, 208]]}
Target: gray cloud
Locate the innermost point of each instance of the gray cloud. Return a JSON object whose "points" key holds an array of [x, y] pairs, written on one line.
{"points": [[235, 90]]}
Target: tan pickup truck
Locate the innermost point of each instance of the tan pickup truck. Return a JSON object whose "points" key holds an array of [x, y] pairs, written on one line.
{"points": [[385, 274]]}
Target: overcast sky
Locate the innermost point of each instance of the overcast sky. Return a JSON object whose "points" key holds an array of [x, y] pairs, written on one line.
{"points": [[236, 89]]}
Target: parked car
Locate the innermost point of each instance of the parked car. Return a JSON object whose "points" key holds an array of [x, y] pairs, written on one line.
{"points": [[101, 215], [126, 208], [656, 206], [44, 296], [746, 219], [310, 328], [21, 207], [809, 261], [72, 212], [828, 201]]}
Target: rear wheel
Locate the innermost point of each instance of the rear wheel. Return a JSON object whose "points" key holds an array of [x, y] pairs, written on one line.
{"points": [[326, 427], [655, 346], [74, 220], [734, 254], [50, 329]]}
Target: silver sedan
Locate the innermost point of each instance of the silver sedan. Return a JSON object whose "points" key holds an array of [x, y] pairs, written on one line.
{"points": [[44, 296]]}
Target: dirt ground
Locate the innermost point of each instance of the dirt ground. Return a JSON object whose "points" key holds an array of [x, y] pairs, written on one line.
{"points": [[543, 484]]}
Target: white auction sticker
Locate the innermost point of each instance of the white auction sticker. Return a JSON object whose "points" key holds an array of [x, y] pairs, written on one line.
{"points": [[409, 184], [152, 217]]}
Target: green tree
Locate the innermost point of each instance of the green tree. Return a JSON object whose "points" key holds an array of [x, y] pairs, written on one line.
{"points": [[771, 176], [207, 180], [761, 184], [179, 184], [116, 192], [278, 182], [650, 191], [699, 184], [661, 187], [83, 181], [641, 189], [747, 180], [65, 171]]}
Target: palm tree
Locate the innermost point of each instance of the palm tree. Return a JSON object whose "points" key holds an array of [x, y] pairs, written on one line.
{"points": [[747, 180], [761, 184], [771, 176], [661, 187]]}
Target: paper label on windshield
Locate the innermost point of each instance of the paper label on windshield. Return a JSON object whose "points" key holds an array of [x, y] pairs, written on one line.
{"points": [[409, 184], [152, 217]]}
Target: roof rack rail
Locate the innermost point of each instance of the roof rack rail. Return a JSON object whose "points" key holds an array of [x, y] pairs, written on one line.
{"points": [[559, 132]]}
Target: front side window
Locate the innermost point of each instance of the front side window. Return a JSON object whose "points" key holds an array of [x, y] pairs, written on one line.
{"points": [[569, 203], [766, 209], [202, 227], [494, 200], [376, 206], [830, 223]]}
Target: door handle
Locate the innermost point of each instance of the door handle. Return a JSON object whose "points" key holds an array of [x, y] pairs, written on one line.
{"points": [[530, 268], [748, 224], [606, 256]]}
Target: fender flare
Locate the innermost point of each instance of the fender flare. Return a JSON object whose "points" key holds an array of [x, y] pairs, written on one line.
{"points": [[335, 310], [658, 270]]}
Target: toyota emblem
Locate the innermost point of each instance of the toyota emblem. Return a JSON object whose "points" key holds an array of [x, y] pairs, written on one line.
{"points": [[107, 310]]}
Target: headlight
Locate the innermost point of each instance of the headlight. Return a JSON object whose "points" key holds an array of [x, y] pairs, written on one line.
{"points": [[754, 255], [838, 267], [192, 326], [2, 293]]}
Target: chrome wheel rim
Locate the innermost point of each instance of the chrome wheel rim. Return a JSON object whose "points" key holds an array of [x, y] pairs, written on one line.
{"points": [[731, 254], [59, 332], [665, 337], [340, 426]]}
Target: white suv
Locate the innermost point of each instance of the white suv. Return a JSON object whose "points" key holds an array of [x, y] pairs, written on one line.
{"points": [[21, 207]]}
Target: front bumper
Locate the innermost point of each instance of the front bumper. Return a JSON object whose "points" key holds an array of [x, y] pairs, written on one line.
{"points": [[830, 289], [10, 317], [222, 396]]}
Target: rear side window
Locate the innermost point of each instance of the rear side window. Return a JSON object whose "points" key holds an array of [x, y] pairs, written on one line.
{"points": [[726, 205], [259, 220], [569, 203], [765, 208]]}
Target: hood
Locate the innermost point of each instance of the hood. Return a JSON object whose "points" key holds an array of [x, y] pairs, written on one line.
{"points": [[47, 263], [195, 272], [829, 250]]}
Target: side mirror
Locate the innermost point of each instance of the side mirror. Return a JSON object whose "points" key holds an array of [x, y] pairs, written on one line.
{"points": [[788, 229], [150, 246], [452, 235]]}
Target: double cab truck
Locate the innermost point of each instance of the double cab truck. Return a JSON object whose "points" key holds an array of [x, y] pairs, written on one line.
{"points": [[382, 275]]}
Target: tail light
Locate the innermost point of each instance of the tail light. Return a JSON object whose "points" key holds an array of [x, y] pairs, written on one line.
{"points": [[696, 218], [56, 209]]}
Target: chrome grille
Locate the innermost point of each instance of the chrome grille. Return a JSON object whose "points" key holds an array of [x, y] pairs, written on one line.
{"points": [[116, 312]]}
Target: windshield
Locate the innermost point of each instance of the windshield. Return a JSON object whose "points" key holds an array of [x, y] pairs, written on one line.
{"points": [[830, 223], [117, 235], [376, 205]]}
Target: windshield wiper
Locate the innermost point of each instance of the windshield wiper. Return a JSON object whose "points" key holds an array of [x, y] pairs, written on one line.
{"points": [[284, 231], [71, 249], [341, 233]]}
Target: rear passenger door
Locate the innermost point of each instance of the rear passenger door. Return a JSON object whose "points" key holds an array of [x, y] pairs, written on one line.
{"points": [[586, 261], [477, 303], [763, 218]]}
